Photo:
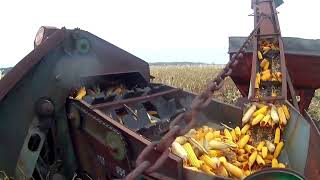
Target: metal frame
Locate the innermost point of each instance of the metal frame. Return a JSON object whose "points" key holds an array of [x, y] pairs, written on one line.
{"points": [[267, 29]]}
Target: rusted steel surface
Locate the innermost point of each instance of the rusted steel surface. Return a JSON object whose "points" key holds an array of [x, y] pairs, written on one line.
{"points": [[135, 143], [28, 62], [266, 11], [43, 33], [49, 65], [312, 170], [112, 59]]}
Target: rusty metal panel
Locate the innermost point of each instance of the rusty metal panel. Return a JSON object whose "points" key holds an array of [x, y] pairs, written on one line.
{"points": [[135, 142], [49, 67], [312, 170], [297, 136], [292, 46], [112, 59], [26, 64]]}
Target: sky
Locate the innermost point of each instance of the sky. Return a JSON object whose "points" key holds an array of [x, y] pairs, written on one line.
{"points": [[156, 31]]}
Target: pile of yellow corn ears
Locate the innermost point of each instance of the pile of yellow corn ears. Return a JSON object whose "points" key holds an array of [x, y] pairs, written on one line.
{"points": [[235, 152]]}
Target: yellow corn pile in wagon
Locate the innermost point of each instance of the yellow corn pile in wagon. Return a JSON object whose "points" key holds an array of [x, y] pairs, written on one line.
{"points": [[237, 152]]}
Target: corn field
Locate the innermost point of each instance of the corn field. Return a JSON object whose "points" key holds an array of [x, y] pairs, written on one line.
{"points": [[194, 78]]}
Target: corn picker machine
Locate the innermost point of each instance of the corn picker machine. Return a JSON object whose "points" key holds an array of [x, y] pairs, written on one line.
{"points": [[78, 107]]}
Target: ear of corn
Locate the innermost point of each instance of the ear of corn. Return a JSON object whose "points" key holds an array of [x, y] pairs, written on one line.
{"points": [[191, 132], [248, 114], [259, 105], [216, 161], [247, 172], [234, 170], [191, 155], [264, 64], [265, 120], [210, 162], [264, 151], [221, 171], [252, 158], [286, 111], [243, 141], [257, 81], [237, 163], [197, 144], [205, 129], [262, 110], [227, 134], [181, 140], [213, 144], [271, 147], [81, 93], [209, 136], [226, 158], [249, 148], [244, 129], [274, 114], [266, 75], [205, 168], [259, 160], [234, 136], [277, 136], [216, 134], [260, 145], [266, 72], [238, 131], [281, 165], [260, 57], [274, 163], [222, 159], [178, 150], [257, 119], [282, 116], [215, 153], [278, 149]]}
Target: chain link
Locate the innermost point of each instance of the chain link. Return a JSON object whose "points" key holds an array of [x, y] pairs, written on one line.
{"points": [[143, 164]]}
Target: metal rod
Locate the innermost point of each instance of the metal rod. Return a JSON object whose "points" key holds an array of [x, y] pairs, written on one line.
{"points": [[272, 34], [136, 99], [292, 92], [132, 111]]}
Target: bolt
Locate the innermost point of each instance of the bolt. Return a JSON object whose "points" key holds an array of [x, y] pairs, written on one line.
{"points": [[44, 107], [240, 55], [58, 77]]}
